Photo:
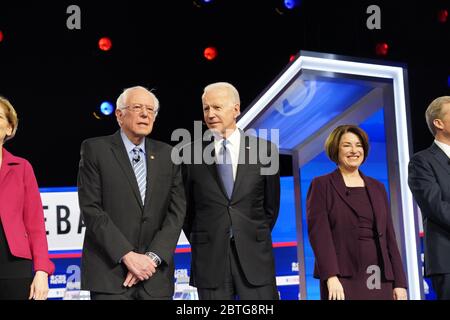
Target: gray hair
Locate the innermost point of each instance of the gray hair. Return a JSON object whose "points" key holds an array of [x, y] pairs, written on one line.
{"points": [[434, 111], [223, 85], [120, 103]]}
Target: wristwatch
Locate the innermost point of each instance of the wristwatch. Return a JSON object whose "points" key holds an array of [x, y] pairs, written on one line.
{"points": [[154, 257]]}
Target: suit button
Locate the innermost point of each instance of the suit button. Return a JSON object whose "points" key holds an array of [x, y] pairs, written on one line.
{"points": [[380, 234], [230, 207], [144, 220]]}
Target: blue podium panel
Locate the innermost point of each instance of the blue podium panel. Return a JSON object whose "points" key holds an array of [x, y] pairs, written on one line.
{"points": [[308, 105]]}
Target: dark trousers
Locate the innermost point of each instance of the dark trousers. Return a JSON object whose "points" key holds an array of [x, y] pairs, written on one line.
{"points": [[236, 286], [441, 285], [15, 289], [136, 292]]}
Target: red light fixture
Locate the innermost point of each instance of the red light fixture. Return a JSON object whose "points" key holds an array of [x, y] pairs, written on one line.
{"points": [[443, 16], [105, 44], [382, 49], [1, 36], [210, 53], [292, 58]]}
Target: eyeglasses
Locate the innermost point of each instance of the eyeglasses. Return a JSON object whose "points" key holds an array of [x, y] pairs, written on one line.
{"points": [[138, 108]]}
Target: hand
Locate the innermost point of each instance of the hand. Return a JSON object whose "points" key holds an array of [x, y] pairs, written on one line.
{"points": [[400, 294], [335, 289], [139, 265], [39, 286], [130, 280]]}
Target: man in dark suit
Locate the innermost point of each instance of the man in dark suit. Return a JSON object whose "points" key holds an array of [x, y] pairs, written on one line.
{"points": [[232, 206], [133, 205], [429, 181]]}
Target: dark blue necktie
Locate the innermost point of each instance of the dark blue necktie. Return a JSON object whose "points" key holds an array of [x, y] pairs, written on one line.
{"points": [[225, 168]]}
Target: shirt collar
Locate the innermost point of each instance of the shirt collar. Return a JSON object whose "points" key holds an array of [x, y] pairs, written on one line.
{"points": [[129, 146], [444, 147], [233, 139]]}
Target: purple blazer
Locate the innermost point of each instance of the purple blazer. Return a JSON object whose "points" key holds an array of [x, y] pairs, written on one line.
{"points": [[333, 229]]}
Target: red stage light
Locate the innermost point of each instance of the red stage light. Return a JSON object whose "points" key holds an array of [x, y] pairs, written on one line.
{"points": [[443, 15], [292, 58], [210, 53], [382, 49], [105, 44], [1, 36]]}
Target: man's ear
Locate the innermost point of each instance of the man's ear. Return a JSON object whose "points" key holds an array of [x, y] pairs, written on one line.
{"points": [[119, 114], [438, 123], [237, 108]]}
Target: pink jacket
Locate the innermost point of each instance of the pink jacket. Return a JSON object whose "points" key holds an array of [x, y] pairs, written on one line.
{"points": [[21, 212]]}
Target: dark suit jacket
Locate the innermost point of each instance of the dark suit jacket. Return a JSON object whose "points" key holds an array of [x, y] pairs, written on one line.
{"points": [[117, 222], [429, 181], [252, 211], [333, 229]]}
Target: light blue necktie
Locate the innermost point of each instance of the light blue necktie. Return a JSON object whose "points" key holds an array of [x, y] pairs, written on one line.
{"points": [[139, 171], [225, 168]]}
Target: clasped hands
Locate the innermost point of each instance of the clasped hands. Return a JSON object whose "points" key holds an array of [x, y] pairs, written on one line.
{"points": [[140, 268]]}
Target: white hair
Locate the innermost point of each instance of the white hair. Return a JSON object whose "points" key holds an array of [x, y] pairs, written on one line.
{"points": [[120, 103], [223, 85]]}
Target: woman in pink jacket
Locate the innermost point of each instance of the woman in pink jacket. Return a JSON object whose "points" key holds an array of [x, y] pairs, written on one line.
{"points": [[23, 242]]}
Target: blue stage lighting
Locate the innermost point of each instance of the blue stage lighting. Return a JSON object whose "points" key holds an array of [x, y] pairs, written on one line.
{"points": [[291, 4], [106, 108]]}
